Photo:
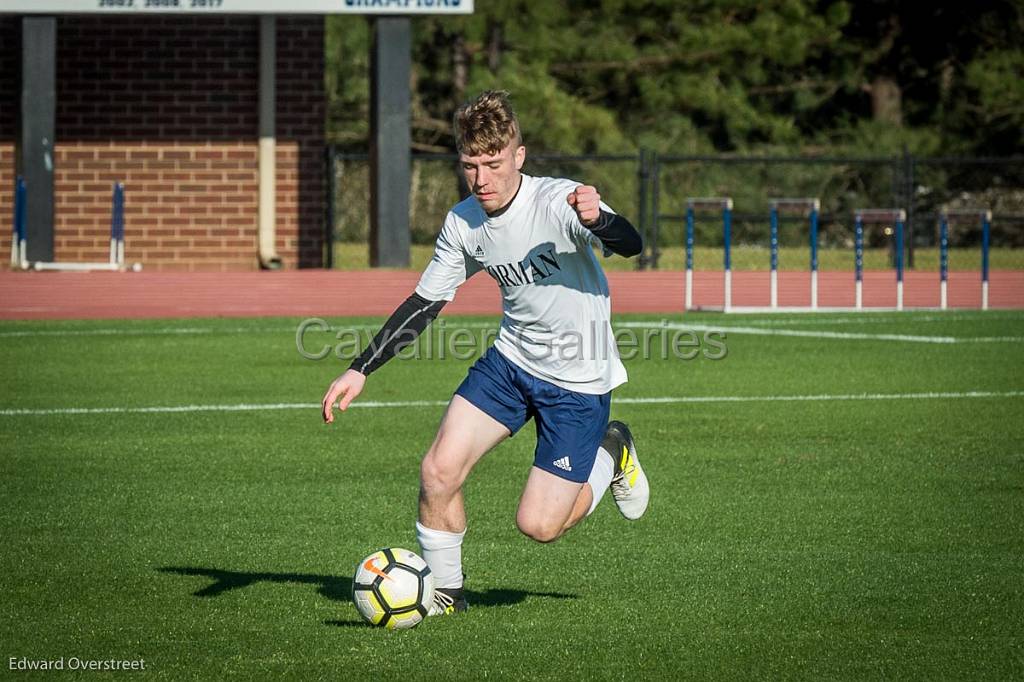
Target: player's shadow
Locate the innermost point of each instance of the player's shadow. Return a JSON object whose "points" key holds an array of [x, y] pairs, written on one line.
{"points": [[336, 588], [330, 586]]}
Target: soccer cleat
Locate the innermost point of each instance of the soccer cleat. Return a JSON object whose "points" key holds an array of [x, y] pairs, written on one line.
{"points": [[629, 483], [448, 600]]}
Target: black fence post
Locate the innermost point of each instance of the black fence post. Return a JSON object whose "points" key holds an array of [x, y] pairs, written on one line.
{"points": [[329, 206], [908, 175], [641, 203], [898, 188], [655, 208]]}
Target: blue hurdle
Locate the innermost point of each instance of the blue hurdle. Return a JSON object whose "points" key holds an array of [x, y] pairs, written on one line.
{"points": [[984, 215], [117, 226], [116, 259], [725, 205], [18, 244], [898, 217], [811, 206]]}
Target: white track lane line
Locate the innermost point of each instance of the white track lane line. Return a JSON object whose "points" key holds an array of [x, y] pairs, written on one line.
{"points": [[782, 320], [156, 331], [666, 400], [821, 334]]}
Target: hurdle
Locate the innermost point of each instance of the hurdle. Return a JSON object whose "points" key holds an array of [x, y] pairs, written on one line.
{"points": [[983, 215], [18, 245], [725, 204], [811, 206], [877, 215], [116, 259]]}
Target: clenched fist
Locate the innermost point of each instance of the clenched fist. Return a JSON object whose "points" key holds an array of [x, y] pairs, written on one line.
{"points": [[587, 203]]}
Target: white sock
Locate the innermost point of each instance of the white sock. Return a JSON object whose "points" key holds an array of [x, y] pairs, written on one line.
{"points": [[600, 476], [443, 553]]}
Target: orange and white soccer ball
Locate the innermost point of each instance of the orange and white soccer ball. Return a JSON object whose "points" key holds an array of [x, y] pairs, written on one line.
{"points": [[393, 588]]}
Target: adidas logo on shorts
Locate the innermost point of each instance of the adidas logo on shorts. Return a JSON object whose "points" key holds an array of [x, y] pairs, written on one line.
{"points": [[563, 464]]}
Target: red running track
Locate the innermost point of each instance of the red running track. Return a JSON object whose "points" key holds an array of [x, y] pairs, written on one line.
{"points": [[305, 293]]}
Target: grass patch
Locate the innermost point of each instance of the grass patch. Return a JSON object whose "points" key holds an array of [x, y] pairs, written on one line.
{"points": [[815, 539]]}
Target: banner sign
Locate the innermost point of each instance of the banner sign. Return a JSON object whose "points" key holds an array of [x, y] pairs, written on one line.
{"points": [[280, 7]]}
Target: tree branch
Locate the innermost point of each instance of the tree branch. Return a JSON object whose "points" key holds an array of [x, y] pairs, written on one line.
{"points": [[425, 122], [432, 148], [794, 86], [637, 64]]}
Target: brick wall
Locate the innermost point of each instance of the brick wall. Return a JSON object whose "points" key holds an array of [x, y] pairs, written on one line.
{"points": [[168, 105]]}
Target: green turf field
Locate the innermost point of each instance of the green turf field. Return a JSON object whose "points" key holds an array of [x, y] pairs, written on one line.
{"points": [[847, 502]]}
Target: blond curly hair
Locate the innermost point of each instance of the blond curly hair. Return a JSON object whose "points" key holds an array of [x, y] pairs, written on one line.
{"points": [[486, 125]]}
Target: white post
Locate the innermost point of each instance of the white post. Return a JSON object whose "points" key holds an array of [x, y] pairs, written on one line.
{"points": [[860, 294], [689, 289], [899, 295], [984, 295], [73, 267], [942, 294], [814, 290], [775, 288], [728, 291]]}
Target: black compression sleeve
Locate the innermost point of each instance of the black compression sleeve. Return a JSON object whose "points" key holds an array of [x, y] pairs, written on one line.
{"points": [[401, 329], [617, 234]]}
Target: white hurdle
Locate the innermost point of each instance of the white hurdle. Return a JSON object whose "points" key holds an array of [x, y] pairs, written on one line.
{"points": [[984, 216], [725, 205], [116, 253], [812, 207], [878, 215]]}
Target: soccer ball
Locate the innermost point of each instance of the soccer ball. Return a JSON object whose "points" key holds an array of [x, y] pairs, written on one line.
{"points": [[393, 588]]}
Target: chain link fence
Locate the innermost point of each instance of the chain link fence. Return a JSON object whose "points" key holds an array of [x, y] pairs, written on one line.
{"points": [[652, 190]]}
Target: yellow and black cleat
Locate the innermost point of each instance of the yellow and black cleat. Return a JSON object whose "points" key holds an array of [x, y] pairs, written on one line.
{"points": [[629, 484]]}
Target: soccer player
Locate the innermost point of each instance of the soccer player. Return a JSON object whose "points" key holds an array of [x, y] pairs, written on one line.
{"points": [[554, 360]]}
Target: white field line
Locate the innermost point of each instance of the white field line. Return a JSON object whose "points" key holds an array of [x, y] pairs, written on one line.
{"points": [[774, 320], [666, 400], [752, 329], [452, 323]]}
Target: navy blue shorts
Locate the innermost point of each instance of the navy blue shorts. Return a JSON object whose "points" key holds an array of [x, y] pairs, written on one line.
{"points": [[570, 425]]}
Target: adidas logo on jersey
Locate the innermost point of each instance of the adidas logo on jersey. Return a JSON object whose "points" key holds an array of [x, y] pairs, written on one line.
{"points": [[563, 464], [479, 251]]}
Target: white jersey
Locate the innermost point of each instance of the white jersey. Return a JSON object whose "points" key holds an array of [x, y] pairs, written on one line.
{"points": [[557, 310]]}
